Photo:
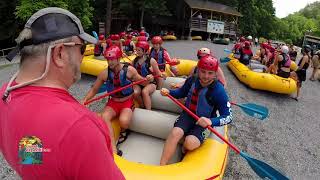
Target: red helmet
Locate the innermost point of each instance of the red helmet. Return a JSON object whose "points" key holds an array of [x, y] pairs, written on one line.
{"points": [[115, 37], [142, 33], [113, 53], [208, 63], [242, 39], [142, 38], [129, 36], [264, 45], [203, 52], [122, 34], [156, 40], [143, 45], [247, 44], [101, 37]]}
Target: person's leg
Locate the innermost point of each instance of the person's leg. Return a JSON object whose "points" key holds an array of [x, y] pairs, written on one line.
{"points": [[159, 83], [137, 95], [146, 92], [195, 138], [314, 70], [170, 145], [125, 118], [183, 124], [107, 115]]}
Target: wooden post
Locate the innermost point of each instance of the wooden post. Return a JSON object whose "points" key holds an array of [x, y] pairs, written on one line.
{"points": [[189, 37]]}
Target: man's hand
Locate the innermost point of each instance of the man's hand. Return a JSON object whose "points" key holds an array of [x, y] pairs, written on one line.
{"points": [[204, 122], [164, 92], [150, 77]]}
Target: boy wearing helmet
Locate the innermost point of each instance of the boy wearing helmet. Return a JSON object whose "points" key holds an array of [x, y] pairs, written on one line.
{"points": [[115, 41], [245, 53], [145, 66], [162, 57], [203, 52], [100, 47], [205, 95], [116, 76], [129, 45], [281, 65]]}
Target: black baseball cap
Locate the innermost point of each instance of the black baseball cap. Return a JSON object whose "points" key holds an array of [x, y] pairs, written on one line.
{"points": [[50, 24]]}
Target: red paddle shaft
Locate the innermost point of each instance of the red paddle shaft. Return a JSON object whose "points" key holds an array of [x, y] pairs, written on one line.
{"points": [[115, 91]]}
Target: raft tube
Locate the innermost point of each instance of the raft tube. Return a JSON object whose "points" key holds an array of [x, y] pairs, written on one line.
{"points": [[262, 81], [142, 150]]}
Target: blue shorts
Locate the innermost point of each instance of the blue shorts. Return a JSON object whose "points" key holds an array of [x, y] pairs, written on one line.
{"points": [[189, 127]]}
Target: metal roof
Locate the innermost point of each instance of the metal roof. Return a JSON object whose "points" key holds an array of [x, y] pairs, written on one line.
{"points": [[211, 6]]}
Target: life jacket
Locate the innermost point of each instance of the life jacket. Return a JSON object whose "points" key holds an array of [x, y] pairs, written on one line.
{"points": [[245, 56], [98, 49], [160, 58], [127, 45], [144, 68], [286, 62], [205, 103], [117, 81]]}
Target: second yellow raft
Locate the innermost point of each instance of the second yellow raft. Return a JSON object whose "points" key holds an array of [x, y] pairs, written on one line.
{"points": [[262, 81]]}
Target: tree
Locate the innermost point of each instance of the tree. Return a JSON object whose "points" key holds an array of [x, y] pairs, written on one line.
{"points": [[81, 8], [8, 23], [108, 16], [150, 7]]}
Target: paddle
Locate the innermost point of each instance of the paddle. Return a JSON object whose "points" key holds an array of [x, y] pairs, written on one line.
{"points": [[115, 91], [254, 110], [261, 168], [95, 34], [226, 59]]}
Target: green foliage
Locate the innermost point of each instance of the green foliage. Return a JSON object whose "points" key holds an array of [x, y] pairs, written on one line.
{"points": [[151, 7], [81, 8], [8, 23]]}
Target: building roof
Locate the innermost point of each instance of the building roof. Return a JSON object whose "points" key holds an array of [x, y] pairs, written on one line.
{"points": [[211, 6]]}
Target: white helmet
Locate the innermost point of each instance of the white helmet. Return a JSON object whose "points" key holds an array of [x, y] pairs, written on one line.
{"points": [[249, 37], [285, 49], [203, 52]]}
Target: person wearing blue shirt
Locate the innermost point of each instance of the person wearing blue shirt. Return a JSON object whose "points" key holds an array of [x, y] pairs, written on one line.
{"points": [[205, 96]]}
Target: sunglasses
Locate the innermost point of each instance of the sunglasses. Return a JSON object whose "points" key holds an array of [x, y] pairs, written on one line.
{"points": [[82, 46]]}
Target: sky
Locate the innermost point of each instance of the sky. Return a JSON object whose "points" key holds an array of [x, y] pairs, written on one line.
{"points": [[286, 7]]}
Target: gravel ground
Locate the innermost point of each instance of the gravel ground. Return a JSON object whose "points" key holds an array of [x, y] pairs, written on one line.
{"points": [[287, 140]]}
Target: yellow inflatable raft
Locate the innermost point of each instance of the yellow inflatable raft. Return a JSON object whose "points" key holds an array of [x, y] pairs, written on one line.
{"points": [[263, 81], [169, 37], [89, 50], [143, 148], [196, 38], [149, 129], [93, 65]]}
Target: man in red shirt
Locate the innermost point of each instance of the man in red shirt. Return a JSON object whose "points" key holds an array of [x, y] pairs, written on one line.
{"points": [[44, 132]]}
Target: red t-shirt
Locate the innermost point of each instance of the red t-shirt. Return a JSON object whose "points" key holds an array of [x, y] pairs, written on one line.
{"points": [[78, 141]]}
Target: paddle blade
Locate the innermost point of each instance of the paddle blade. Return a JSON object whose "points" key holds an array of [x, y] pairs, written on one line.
{"points": [[262, 169], [95, 34], [255, 110], [227, 51], [224, 60]]}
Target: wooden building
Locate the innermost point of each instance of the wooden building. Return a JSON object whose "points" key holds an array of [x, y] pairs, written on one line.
{"points": [[210, 17]]}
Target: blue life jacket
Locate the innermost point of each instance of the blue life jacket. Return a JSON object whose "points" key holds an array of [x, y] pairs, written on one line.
{"points": [[145, 66], [160, 59], [109, 84], [205, 104]]}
